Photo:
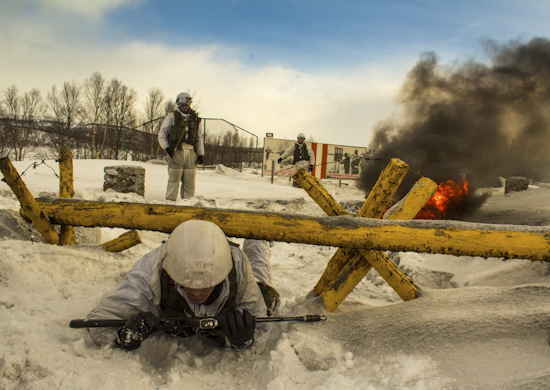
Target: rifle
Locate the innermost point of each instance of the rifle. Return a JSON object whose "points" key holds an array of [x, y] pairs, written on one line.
{"points": [[171, 324]]}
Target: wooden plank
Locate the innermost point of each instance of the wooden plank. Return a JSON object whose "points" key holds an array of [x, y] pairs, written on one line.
{"points": [[378, 201], [447, 237], [66, 190], [123, 242], [28, 204], [356, 270]]}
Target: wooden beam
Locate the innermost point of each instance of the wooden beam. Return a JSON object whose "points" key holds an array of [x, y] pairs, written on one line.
{"points": [[28, 204], [447, 237], [378, 201], [122, 242], [66, 190], [356, 270], [381, 196], [412, 203]]}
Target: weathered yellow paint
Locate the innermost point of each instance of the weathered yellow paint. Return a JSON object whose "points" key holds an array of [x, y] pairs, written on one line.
{"points": [[123, 242], [381, 196], [66, 190], [350, 275], [464, 239], [354, 272], [27, 201], [376, 204], [412, 203], [318, 193]]}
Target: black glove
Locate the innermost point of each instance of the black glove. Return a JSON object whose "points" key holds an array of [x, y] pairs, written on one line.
{"points": [[136, 329], [200, 160], [310, 168], [279, 160], [170, 151], [239, 328]]}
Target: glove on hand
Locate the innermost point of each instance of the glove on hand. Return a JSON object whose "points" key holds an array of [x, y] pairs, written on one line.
{"points": [[170, 152], [279, 160], [239, 328], [310, 168], [200, 160], [136, 329]]}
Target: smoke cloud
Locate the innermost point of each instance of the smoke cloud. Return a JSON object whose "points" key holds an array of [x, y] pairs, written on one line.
{"points": [[473, 120]]}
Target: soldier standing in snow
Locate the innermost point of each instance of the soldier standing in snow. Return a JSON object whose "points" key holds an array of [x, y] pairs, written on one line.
{"points": [[303, 155], [181, 137], [197, 273]]}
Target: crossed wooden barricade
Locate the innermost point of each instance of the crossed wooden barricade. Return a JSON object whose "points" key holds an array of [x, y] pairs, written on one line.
{"points": [[362, 239], [347, 267]]}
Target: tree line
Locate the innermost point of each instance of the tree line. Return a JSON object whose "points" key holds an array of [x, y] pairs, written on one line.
{"points": [[98, 119]]}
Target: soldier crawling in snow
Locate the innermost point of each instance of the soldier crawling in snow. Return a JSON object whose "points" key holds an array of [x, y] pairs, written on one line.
{"points": [[302, 153], [196, 273]]}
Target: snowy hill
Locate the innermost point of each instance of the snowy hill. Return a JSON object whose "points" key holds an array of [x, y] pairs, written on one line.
{"points": [[480, 324]]}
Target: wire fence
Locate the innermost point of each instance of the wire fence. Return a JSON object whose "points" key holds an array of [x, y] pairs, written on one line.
{"points": [[225, 143]]}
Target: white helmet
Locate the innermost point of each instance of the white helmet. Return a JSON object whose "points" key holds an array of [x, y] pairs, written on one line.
{"points": [[301, 135], [184, 98], [197, 255]]}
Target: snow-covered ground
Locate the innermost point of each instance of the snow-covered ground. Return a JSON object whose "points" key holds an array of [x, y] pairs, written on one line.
{"points": [[480, 324]]}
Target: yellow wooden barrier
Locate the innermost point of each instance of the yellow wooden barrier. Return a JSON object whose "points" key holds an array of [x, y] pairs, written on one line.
{"points": [[448, 237], [123, 242], [28, 202], [356, 270], [378, 201], [66, 190]]}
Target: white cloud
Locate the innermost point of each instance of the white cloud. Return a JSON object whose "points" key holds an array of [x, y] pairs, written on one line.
{"points": [[90, 8], [339, 107]]}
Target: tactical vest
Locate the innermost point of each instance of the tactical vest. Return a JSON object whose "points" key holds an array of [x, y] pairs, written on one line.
{"points": [[187, 132], [300, 152], [172, 304]]}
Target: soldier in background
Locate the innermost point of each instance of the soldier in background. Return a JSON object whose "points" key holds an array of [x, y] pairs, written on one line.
{"points": [[303, 155], [180, 135]]}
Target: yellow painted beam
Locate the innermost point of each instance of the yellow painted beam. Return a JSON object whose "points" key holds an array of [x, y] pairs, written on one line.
{"points": [[356, 270], [318, 193], [447, 237], [412, 203], [378, 201], [66, 190], [123, 242], [28, 203], [381, 196]]}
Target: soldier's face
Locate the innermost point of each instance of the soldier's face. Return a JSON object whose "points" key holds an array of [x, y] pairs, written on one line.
{"points": [[198, 296], [184, 107], [301, 140]]}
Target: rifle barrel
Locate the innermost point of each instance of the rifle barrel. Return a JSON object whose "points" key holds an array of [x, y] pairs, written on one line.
{"points": [[100, 323]]}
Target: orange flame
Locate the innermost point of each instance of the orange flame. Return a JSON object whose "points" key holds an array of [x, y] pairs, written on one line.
{"points": [[448, 193]]}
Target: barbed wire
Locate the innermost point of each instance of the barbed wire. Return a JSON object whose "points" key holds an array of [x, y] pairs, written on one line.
{"points": [[34, 165], [375, 160]]}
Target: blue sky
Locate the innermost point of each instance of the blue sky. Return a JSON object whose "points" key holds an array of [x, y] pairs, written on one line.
{"points": [[330, 69]]}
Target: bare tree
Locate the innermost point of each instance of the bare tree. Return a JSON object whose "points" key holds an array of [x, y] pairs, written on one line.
{"points": [[120, 104], [66, 106], [33, 109], [94, 107], [169, 106], [12, 110], [153, 116]]}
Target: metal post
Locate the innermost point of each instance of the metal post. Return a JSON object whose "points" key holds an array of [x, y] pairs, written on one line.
{"points": [[203, 139], [272, 170]]}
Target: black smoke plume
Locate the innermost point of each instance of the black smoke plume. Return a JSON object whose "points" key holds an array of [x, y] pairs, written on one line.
{"points": [[476, 120]]}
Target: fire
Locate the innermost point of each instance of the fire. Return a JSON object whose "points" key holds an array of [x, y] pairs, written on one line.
{"points": [[447, 195]]}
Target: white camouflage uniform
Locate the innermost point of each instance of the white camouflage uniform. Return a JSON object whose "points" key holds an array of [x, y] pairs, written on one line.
{"points": [[183, 166], [140, 291], [303, 163]]}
